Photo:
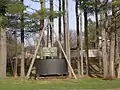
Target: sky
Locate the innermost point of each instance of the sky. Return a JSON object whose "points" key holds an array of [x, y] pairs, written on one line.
{"points": [[71, 7], [72, 22], [36, 5]]}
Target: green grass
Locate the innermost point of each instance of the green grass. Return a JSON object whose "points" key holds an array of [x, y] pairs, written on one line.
{"points": [[68, 84]]}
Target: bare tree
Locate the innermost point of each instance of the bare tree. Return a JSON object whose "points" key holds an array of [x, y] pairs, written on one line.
{"points": [[3, 46], [52, 21], [66, 31], [112, 47], [22, 44], [42, 3], [16, 55], [104, 49], [81, 45], [86, 38], [3, 52], [60, 31], [78, 36], [112, 53]]}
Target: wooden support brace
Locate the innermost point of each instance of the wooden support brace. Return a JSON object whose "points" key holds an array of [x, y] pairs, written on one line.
{"points": [[35, 53], [64, 54], [67, 59]]}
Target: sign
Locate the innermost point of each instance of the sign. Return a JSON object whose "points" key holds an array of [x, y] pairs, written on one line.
{"points": [[49, 51]]}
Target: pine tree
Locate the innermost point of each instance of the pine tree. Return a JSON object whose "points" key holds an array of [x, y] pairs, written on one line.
{"points": [[6, 6], [78, 35], [22, 44], [60, 30], [66, 32]]}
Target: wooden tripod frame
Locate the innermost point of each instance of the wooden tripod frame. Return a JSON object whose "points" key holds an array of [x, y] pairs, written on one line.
{"points": [[37, 48]]}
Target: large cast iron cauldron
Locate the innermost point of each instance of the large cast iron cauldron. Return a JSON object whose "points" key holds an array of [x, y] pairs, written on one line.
{"points": [[51, 67]]}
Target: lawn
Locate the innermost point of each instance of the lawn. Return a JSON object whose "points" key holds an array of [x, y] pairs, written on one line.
{"points": [[68, 84]]}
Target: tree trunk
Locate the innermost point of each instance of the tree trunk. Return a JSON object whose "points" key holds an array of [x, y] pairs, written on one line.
{"points": [[119, 70], [105, 62], [3, 52], [104, 50], [112, 54], [16, 62], [86, 41], [42, 3], [66, 33], [48, 36], [60, 31], [63, 8], [78, 37], [81, 45], [52, 21], [97, 25], [112, 48], [117, 57], [22, 44]]}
